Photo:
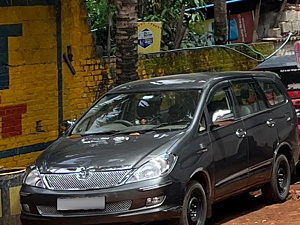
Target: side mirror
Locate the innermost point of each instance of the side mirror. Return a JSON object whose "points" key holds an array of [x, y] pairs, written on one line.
{"points": [[65, 125], [222, 114], [222, 117]]}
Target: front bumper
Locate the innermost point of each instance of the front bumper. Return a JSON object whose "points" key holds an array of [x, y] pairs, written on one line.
{"points": [[123, 204], [160, 213]]}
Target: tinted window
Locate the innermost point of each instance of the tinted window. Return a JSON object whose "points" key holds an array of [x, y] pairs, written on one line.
{"points": [[273, 94], [220, 108], [142, 110], [202, 126], [247, 100]]}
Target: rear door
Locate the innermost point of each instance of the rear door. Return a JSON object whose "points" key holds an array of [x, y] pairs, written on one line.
{"points": [[261, 133], [283, 118], [230, 148]]}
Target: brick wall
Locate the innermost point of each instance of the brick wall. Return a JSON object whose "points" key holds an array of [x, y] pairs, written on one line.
{"points": [[37, 92], [30, 78], [28, 99]]}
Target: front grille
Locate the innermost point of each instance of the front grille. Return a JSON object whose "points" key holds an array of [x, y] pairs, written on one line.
{"points": [[112, 207], [94, 180]]}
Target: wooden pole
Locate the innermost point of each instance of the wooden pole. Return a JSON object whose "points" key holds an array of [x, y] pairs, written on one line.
{"points": [[256, 21]]}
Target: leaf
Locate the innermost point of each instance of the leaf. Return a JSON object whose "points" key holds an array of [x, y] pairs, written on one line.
{"points": [[164, 12]]}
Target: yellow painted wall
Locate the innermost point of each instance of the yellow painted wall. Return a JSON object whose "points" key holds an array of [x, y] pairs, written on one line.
{"points": [[33, 74], [76, 33]]}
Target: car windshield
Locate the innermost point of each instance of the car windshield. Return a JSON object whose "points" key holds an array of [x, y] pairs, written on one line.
{"points": [[135, 112]]}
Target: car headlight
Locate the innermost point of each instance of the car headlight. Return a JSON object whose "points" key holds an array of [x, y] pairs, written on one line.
{"points": [[32, 177], [154, 168]]}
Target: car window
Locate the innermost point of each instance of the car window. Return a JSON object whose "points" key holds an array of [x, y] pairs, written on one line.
{"points": [[128, 112], [273, 94], [220, 108], [247, 100], [202, 125]]}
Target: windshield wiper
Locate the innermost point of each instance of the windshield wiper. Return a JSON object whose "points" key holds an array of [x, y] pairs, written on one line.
{"points": [[141, 130], [101, 132], [187, 122], [155, 128]]}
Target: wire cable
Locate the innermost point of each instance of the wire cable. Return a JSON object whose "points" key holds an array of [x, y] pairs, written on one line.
{"points": [[262, 58]]}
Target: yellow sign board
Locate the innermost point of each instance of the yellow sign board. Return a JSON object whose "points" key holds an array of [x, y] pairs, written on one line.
{"points": [[149, 35]]}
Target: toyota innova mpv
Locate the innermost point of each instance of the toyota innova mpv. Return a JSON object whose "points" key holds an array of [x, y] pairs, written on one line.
{"points": [[167, 148]]}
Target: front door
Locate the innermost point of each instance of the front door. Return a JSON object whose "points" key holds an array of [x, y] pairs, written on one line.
{"points": [[228, 143]]}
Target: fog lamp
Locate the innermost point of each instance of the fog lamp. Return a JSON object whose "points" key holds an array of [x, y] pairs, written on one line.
{"points": [[25, 208], [155, 200]]}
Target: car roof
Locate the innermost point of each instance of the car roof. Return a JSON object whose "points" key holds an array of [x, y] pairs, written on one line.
{"points": [[283, 61], [186, 81]]}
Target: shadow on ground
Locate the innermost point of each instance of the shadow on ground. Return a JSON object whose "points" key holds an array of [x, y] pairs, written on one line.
{"points": [[235, 207], [241, 205], [231, 208]]}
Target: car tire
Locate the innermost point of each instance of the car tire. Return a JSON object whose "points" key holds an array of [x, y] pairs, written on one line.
{"points": [[277, 190], [194, 208]]}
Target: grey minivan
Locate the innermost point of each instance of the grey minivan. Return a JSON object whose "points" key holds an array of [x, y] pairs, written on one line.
{"points": [[167, 148]]}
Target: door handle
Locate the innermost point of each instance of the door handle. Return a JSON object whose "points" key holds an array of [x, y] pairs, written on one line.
{"points": [[270, 123], [288, 116], [240, 133], [203, 148]]}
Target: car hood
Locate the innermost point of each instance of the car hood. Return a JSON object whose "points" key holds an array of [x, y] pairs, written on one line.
{"points": [[102, 152]]}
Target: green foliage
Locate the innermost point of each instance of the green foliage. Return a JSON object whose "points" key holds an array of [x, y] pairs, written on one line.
{"points": [[98, 14], [168, 12], [165, 11]]}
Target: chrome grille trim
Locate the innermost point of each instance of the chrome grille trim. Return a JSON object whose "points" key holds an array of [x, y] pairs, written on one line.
{"points": [[112, 207], [95, 180]]}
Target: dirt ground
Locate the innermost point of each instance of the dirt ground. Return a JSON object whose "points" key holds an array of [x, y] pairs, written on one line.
{"points": [[251, 210]]}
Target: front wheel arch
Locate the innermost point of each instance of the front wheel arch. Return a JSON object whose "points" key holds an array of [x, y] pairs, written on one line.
{"points": [[194, 207], [203, 177]]}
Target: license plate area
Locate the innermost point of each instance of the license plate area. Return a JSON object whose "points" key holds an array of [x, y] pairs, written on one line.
{"points": [[84, 203]]}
